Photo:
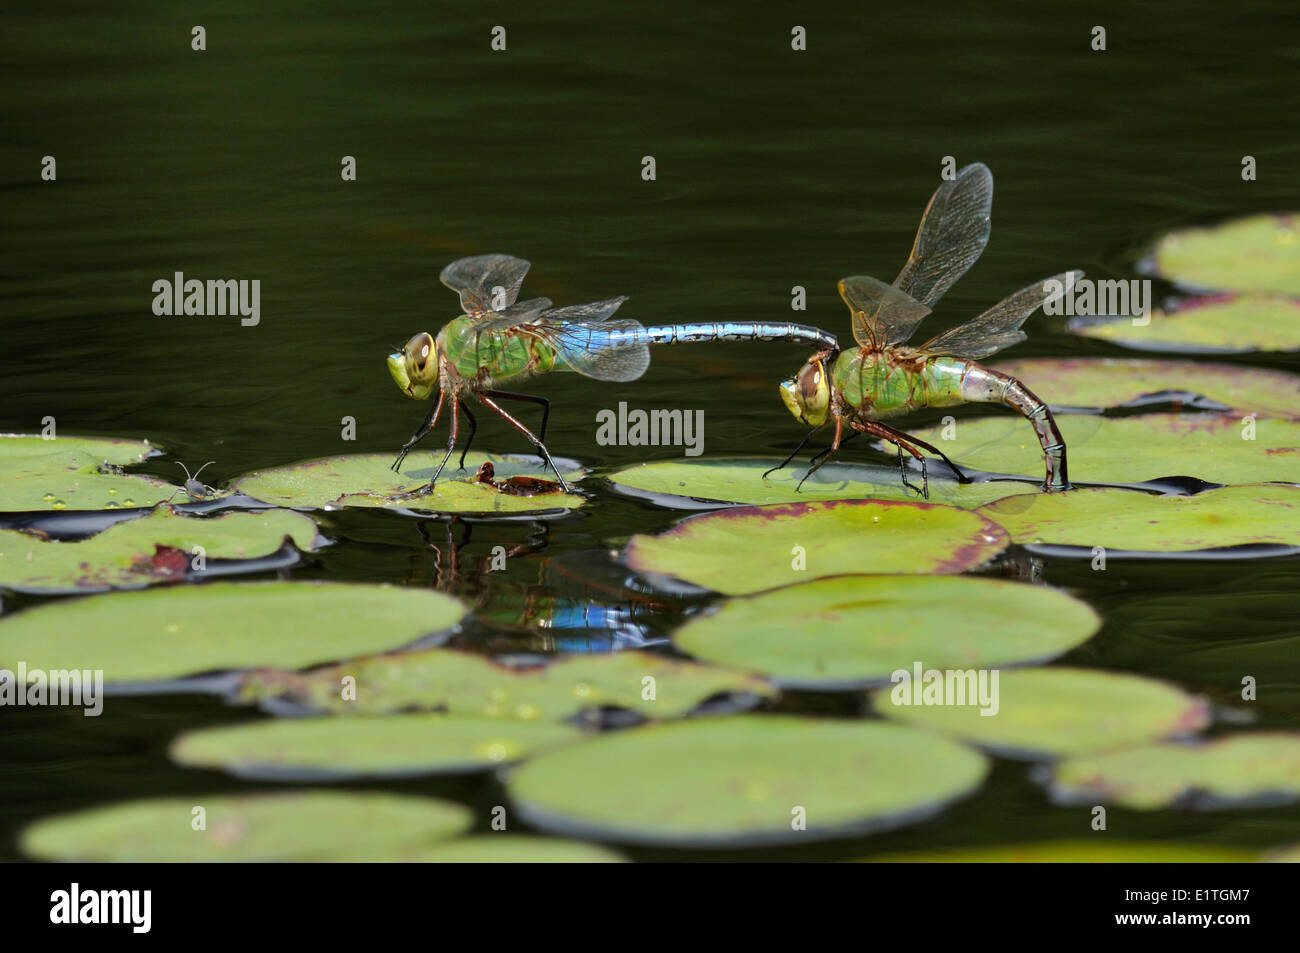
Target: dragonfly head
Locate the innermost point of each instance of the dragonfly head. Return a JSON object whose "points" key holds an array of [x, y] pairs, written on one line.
{"points": [[415, 366], [808, 396]]}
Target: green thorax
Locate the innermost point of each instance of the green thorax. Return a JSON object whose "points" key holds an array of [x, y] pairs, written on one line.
{"points": [[881, 384], [499, 355]]}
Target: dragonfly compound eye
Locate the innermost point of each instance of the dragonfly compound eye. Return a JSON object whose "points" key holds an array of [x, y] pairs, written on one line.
{"points": [[415, 367], [814, 392]]}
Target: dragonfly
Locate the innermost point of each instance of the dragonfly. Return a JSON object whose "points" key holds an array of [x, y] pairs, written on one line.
{"points": [[884, 377], [499, 339]]}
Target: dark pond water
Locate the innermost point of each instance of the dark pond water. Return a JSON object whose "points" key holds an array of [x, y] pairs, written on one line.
{"points": [[774, 169]]}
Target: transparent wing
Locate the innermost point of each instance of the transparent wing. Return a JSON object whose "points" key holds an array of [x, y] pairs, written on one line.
{"points": [[952, 235], [592, 311], [882, 314], [516, 314], [478, 279], [588, 341], [999, 326]]}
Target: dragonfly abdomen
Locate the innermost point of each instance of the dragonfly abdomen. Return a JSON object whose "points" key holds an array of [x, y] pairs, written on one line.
{"points": [[983, 385], [702, 332]]}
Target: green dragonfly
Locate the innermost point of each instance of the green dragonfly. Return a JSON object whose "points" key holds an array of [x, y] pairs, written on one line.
{"points": [[499, 339], [883, 377]]}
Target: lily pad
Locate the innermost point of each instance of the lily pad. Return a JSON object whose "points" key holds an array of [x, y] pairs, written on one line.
{"points": [[308, 826], [300, 749], [847, 632], [747, 779], [75, 473], [1102, 382], [1125, 520], [752, 548], [160, 547], [1258, 253], [466, 684], [1251, 770], [1045, 712], [1211, 447], [506, 849], [185, 630], [1234, 324], [365, 480], [742, 481], [1100, 850]]}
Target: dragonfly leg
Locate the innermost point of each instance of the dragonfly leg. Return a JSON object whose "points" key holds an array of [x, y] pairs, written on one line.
{"points": [[528, 398], [961, 477], [541, 447], [825, 450], [430, 422], [821, 459], [903, 442], [793, 453], [473, 429]]}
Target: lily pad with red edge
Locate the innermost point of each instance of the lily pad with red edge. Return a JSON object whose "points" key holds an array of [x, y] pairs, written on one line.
{"points": [[471, 685], [689, 482], [752, 548], [1223, 324], [169, 633], [388, 746], [160, 547], [76, 473], [1104, 382], [744, 780], [1262, 514], [365, 480], [847, 632], [1042, 712], [1256, 253], [1215, 448], [351, 826], [1243, 770]]}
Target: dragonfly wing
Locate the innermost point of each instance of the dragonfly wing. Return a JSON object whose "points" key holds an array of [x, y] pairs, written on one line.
{"points": [[592, 311], [952, 235], [882, 314], [603, 349], [999, 326], [485, 282], [513, 316]]}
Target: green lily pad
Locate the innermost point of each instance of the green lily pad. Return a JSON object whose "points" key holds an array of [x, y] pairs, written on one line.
{"points": [[1258, 253], [1101, 382], [186, 630], [752, 548], [365, 480], [1234, 324], [1125, 520], [160, 547], [746, 779], [847, 632], [75, 473], [506, 849], [1283, 855], [741, 481], [308, 826], [1101, 850], [1138, 449], [1247, 770], [1040, 712], [467, 684], [298, 749]]}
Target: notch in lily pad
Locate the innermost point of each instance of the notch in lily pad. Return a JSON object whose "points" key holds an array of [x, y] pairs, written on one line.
{"points": [[752, 548], [509, 484]]}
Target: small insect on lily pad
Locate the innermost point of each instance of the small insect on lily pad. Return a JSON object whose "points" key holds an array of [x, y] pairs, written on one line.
{"points": [[186, 630], [505, 849], [308, 826], [1042, 712], [1257, 253], [365, 480], [1103, 382], [752, 548], [161, 547], [1227, 448], [688, 483], [1226, 324], [1105, 851], [847, 632], [76, 473], [467, 684], [1127, 521], [1249, 770], [744, 780], [387, 746]]}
